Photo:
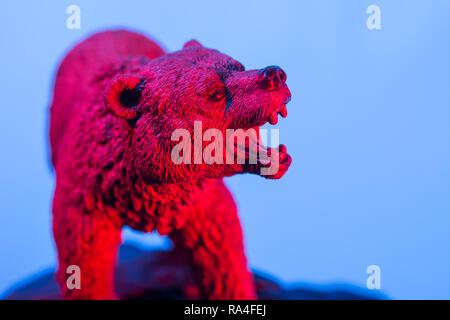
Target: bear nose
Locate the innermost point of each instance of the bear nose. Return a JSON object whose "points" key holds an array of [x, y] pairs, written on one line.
{"points": [[272, 77]]}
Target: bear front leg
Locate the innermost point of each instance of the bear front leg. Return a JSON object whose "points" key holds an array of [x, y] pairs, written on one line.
{"points": [[213, 236], [89, 243]]}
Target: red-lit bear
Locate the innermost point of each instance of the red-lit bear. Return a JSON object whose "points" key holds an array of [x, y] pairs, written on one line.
{"points": [[118, 97]]}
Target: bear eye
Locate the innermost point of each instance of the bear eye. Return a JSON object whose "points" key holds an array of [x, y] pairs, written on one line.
{"points": [[218, 94]]}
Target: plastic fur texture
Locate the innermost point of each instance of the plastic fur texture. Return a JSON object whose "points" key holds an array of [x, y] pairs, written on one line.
{"points": [[118, 97]]}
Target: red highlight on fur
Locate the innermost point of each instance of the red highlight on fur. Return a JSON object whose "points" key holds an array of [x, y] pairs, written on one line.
{"points": [[112, 172]]}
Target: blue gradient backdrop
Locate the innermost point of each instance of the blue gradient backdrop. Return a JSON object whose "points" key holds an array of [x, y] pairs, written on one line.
{"points": [[368, 129]]}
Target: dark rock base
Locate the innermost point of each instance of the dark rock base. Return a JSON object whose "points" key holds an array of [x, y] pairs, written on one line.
{"points": [[144, 274]]}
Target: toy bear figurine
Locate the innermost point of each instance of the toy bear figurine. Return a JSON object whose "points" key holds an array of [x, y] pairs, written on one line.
{"points": [[118, 99]]}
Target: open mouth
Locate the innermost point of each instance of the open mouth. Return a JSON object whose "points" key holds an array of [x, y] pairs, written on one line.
{"points": [[251, 150]]}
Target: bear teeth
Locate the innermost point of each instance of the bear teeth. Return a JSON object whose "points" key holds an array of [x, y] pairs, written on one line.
{"points": [[283, 111], [273, 118]]}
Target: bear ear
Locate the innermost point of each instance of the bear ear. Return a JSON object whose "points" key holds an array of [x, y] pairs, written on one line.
{"points": [[122, 96], [192, 43]]}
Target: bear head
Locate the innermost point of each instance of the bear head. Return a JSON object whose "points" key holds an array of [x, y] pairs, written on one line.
{"points": [[184, 109]]}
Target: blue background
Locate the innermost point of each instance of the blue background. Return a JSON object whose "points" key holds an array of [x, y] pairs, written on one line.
{"points": [[368, 129]]}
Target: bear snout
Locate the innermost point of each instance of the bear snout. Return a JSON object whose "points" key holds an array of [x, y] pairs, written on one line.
{"points": [[272, 78]]}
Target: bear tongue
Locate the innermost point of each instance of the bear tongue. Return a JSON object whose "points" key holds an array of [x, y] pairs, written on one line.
{"points": [[252, 144], [255, 141]]}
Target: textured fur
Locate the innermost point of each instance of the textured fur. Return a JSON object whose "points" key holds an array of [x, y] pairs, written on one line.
{"points": [[113, 160]]}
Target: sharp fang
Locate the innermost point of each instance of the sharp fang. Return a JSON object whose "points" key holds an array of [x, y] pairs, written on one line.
{"points": [[273, 118], [283, 111]]}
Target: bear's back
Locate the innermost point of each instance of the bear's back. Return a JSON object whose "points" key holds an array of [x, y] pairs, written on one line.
{"points": [[78, 67]]}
